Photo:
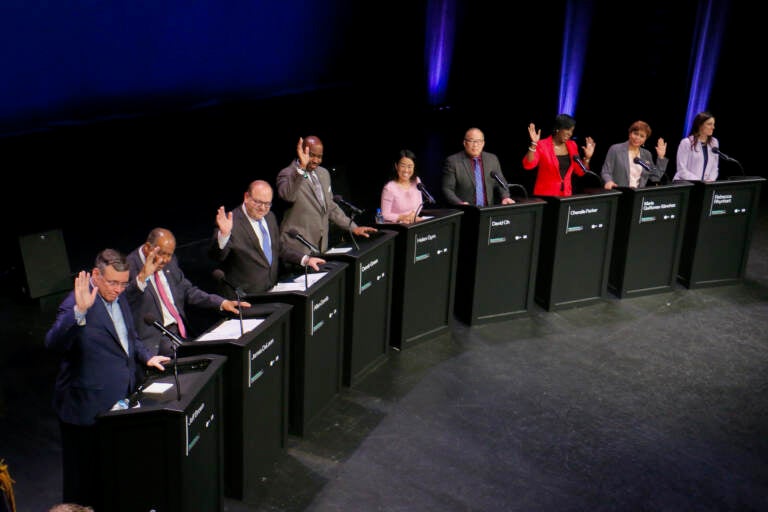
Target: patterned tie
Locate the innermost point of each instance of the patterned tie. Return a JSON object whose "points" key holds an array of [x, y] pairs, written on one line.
{"points": [[318, 189], [479, 193], [266, 246], [169, 305]]}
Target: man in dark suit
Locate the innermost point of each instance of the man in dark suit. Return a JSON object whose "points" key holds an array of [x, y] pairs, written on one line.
{"points": [[307, 186], [247, 246], [158, 289], [459, 183], [101, 355]]}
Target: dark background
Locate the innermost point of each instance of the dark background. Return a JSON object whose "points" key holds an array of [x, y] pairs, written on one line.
{"points": [[117, 119]]}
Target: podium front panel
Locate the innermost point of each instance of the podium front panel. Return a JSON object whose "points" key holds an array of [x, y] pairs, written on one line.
{"points": [[317, 335], [166, 454], [719, 231], [498, 250], [575, 252], [648, 239], [426, 255], [368, 302], [255, 397]]}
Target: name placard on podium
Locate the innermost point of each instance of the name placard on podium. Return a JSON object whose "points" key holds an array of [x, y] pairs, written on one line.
{"points": [[368, 302], [426, 255], [575, 252], [648, 239], [255, 394], [498, 250], [718, 233], [316, 341], [166, 454]]}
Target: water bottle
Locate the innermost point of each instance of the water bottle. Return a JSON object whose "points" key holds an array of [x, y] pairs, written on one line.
{"points": [[379, 216]]}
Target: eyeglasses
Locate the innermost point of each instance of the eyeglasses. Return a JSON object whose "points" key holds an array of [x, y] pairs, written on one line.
{"points": [[116, 284], [474, 141], [263, 204]]}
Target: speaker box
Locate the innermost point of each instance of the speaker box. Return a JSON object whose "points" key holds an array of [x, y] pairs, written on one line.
{"points": [[46, 264]]}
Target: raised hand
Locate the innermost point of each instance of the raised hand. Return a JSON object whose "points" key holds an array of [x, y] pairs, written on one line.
{"points": [[224, 221], [84, 297]]}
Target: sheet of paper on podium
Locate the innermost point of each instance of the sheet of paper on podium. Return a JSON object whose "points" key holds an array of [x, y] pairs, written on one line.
{"points": [[297, 284], [230, 329], [338, 250]]}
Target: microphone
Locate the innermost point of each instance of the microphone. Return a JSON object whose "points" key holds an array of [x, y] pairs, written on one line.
{"points": [[427, 195], [725, 157], [219, 275], [354, 209], [151, 320], [578, 160], [642, 163], [309, 245], [499, 180]]}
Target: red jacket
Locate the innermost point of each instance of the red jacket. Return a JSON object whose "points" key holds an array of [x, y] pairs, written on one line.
{"points": [[548, 180]]}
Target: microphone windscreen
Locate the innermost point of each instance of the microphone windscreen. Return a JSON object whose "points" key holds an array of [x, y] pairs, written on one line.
{"points": [[218, 274], [149, 319]]}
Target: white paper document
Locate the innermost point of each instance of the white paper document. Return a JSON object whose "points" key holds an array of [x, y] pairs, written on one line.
{"points": [[297, 284], [230, 329], [338, 250], [157, 388]]}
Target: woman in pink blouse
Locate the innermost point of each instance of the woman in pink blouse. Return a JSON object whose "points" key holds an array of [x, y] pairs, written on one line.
{"points": [[400, 199]]}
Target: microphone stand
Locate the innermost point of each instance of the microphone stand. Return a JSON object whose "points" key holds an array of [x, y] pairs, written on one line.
{"points": [[351, 234], [239, 310], [176, 372]]}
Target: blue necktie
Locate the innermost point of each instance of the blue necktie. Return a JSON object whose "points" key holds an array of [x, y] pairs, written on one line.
{"points": [[479, 195], [265, 244]]}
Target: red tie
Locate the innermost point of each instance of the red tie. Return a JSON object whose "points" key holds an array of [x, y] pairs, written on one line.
{"points": [[169, 305]]}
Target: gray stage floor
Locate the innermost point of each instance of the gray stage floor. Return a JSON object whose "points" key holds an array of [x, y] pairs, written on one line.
{"points": [[655, 403]]}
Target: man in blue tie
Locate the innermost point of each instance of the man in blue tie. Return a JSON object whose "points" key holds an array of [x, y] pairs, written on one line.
{"points": [[468, 178], [246, 244]]}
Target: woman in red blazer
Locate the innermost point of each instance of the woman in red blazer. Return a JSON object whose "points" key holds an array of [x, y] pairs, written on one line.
{"points": [[556, 157]]}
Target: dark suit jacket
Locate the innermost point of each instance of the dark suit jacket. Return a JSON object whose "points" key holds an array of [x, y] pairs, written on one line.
{"points": [[459, 179], [243, 261], [95, 372], [148, 302], [306, 214]]}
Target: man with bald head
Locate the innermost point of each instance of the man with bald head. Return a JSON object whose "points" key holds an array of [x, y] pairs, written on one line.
{"points": [[246, 244], [307, 186], [158, 289]]}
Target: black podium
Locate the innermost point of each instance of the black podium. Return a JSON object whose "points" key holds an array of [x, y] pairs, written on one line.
{"points": [[648, 239], [255, 396], [718, 232], [167, 453], [498, 257], [426, 255], [316, 341], [575, 250], [368, 302]]}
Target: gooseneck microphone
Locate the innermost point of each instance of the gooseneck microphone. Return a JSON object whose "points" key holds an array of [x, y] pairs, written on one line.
{"points": [[578, 160], [309, 245], [499, 180], [149, 319], [427, 196], [352, 208], [642, 163], [727, 158], [219, 275]]}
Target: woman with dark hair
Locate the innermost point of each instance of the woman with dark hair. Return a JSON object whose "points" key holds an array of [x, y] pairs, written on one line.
{"points": [[556, 157], [629, 164], [401, 200], [696, 160]]}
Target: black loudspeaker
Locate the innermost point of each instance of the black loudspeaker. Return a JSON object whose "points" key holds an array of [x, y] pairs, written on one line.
{"points": [[46, 264]]}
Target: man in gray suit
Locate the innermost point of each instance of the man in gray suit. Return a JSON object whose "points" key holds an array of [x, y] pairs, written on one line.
{"points": [[307, 186], [459, 172]]}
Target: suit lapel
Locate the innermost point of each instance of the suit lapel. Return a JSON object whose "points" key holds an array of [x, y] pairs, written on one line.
{"points": [[253, 241]]}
